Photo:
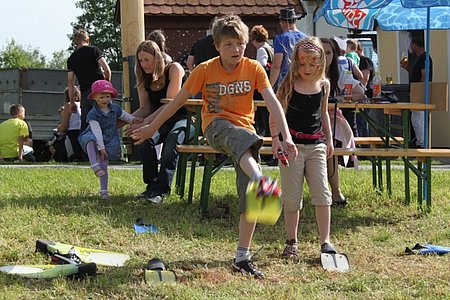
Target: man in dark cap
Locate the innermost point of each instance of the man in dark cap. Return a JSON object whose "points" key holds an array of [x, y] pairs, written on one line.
{"points": [[284, 44]]}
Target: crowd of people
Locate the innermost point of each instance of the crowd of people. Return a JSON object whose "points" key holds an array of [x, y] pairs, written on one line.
{"points": [[297, 78]]}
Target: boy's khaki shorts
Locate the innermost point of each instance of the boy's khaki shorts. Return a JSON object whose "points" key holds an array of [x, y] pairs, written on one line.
{"points": [[234, 141]]}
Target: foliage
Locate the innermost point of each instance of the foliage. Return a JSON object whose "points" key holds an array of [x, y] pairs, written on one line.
{"points": [[36, 203], [59, 60], [15, 55], [98, 19]]}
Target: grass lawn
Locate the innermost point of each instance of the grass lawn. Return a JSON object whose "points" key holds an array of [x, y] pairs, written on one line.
{"points": [[62, 204]]}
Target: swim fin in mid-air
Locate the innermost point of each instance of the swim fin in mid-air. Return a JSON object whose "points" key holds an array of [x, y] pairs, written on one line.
{"points": [[427, 249], [261, 208], [85, 255]]}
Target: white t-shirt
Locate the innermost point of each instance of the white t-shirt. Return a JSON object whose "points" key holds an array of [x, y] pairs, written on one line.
{"points": [[262, 55], [75, 118], [343, 68]]}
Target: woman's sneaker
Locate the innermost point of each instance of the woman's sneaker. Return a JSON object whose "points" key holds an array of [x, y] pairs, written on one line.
{"points": [[247, 267], [291, 250]]}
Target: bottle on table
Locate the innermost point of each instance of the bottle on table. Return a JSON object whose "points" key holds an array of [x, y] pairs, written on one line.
{"points": [[376, 84], [348, 86]]}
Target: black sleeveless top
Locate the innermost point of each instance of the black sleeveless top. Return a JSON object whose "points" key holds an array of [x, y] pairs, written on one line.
{"points": [[156, 96], [304, 115]]}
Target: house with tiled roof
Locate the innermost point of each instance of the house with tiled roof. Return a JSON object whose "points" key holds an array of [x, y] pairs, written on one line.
{"points": [[185, 21]]}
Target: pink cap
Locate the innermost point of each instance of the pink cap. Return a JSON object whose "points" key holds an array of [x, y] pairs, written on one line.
{"points": [[103, 86]]}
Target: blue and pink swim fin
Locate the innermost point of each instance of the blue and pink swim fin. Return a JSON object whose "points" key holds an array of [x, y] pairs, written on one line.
{"points": [[427, 249]]}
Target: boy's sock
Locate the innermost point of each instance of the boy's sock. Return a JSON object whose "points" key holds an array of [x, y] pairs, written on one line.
{"points": [[242, 253], [256, 176]]}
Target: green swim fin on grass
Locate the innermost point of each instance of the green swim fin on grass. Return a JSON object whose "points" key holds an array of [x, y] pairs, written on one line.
{"points": [[51, 271], [86, 255]]}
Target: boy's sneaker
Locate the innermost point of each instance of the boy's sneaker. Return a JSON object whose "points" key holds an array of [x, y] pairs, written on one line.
{"points": [[247, 267], [268, 187], [291, 250]]}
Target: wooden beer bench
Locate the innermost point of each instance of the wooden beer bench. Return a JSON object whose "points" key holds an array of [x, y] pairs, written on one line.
{"points": [[423, 156]]}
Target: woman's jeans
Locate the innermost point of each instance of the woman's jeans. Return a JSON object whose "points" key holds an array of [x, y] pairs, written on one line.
{"points": [[171, 134]]}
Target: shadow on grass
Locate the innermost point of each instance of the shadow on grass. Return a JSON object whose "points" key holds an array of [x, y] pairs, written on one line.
{"points": [[176, 218]]}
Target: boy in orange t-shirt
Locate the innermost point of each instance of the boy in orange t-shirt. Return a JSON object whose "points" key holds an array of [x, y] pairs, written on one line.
{"points": [[227, 84]]}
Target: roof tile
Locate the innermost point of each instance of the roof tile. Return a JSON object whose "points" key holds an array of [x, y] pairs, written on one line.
{"points": [[250, 3], [214, 7], [201, 10], [212, 10], [177, 10], [165, 9], [247, 10], [189, 10]]}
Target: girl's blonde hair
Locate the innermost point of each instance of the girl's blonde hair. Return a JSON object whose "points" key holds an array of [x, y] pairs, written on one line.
{"points": [[160, 64], [308, 45]]}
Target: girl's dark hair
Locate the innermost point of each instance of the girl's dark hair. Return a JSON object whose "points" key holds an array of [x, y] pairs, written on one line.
{"points": [[159, 37], [259, 34], [333, 69]]}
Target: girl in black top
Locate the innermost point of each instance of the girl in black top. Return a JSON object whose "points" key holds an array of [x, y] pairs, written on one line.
{"points": [[157, 79], [304, 96]]}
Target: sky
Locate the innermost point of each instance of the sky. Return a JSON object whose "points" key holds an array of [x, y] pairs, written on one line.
{"points": [[41, 24]]}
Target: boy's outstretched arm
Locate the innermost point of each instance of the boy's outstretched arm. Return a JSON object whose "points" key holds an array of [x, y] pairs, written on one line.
{"points": [[276, 112], [147, 131]]}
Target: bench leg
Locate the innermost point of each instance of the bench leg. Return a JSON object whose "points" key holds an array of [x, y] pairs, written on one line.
{"points": [[388, 176], [428, 183], [420, 195], [374, 171], [407, 192], [192, 178], [180, 180], [207, 175], [380, 173]]}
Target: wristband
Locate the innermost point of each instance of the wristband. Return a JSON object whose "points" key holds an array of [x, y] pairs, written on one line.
{"points": [[274, 136]]}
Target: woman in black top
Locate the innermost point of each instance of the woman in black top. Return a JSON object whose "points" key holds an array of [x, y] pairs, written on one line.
{"points": [[158, 79]]}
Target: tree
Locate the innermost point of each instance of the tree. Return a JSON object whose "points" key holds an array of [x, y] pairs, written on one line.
{"points": [[99, 21], [59, 60], [14, 55]]}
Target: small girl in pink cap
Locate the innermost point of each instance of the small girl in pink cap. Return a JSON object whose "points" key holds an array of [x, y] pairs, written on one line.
{"points": [[100, 140]]}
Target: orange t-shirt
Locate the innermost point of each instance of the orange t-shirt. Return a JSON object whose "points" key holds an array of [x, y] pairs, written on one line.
{"points": [[227, 95]]}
